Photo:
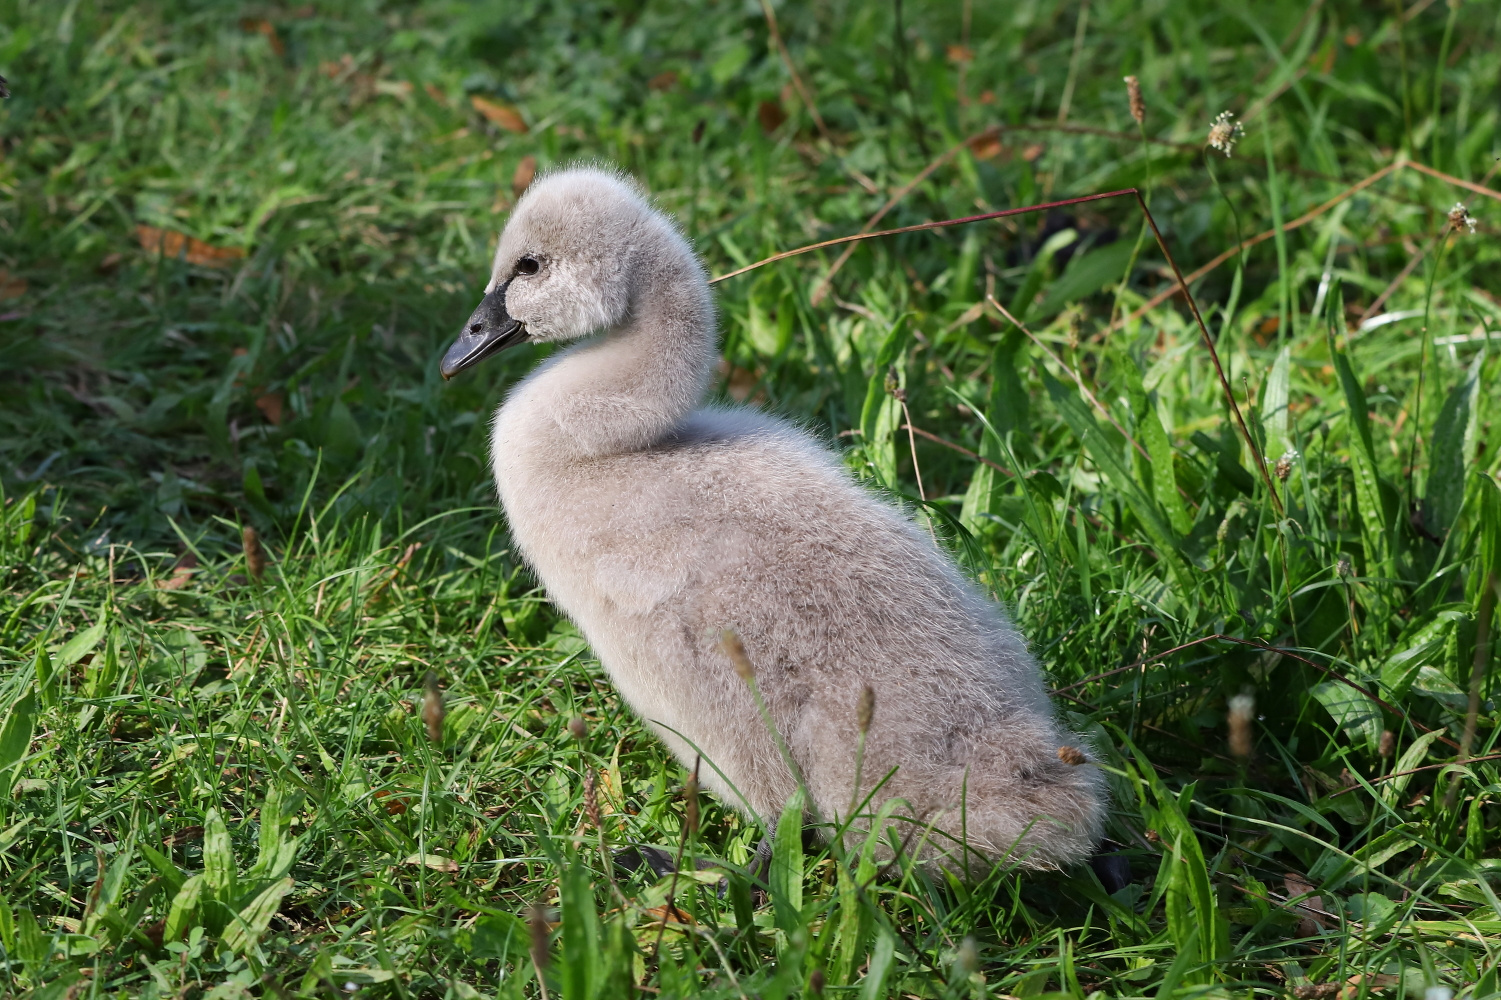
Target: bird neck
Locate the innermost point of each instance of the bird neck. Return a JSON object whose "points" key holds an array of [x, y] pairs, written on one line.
{"points": [[629, 387]]}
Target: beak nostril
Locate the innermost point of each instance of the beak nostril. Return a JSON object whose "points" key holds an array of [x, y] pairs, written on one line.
{"points": [[476, 328]]}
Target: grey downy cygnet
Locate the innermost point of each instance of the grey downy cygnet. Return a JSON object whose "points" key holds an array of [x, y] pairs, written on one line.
{"points": [[657, 522]]}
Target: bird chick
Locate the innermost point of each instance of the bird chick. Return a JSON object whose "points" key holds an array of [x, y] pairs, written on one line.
{"points": [[657, 523]]}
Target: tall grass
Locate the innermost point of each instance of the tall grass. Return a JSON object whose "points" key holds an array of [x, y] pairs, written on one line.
{"points": [[219, 779]]}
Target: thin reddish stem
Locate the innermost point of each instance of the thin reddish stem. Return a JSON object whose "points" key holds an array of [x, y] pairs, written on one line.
{"points": [[1214, 356], [920, 227], [1193, 306]]}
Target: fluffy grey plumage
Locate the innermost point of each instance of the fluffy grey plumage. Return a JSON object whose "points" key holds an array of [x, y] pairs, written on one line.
{"points": [[656, 522]]}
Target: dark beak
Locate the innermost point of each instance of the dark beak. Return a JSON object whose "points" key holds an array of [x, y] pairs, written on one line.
{"points": [[489, 331]]}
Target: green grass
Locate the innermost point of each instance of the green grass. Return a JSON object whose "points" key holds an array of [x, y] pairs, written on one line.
{"points": [[213, 786]]}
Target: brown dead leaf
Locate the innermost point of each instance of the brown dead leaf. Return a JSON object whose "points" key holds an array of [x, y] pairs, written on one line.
{"points": [[11, 287], [260, 26], [171, 243], [110, 262], [770, 115], [668, 915], [1032, 152], [183, 836], [396, 805], [181, 573], [503, 115], [960, 53], [1309, 909], [522, 178], [665, 80], [436, 93], [344, 66], [739, 382], [155, 932], [1374, 982], [1349, 991], [270, 406], [986, 146]]}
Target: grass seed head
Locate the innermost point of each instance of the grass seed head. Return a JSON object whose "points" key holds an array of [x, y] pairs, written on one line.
{"points": [[433, 710], [536, 922], [591, 799], [1460, 218], [1284, 467], [1388, 743], [1225, 133], [1071, 756], [1242, 712], [255, 555], [735, 650], [1138, 106], [1343, 567], [816, 982], [578, 728], [894, 386], [866, 708], [690, 803]]}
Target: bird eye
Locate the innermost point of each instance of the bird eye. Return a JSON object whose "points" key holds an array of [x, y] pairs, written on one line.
{"points": [[528, 265]]}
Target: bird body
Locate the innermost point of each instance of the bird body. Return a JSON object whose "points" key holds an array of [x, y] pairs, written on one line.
{"points": [[656, 523]]}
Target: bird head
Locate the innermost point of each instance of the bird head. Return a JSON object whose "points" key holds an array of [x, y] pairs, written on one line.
{"points": [[564, 267]]}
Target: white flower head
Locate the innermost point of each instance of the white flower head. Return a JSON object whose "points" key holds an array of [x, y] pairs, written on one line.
{"points": [[1225, 132]]}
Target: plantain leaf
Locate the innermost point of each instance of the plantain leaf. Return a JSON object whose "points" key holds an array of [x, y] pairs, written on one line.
{"points": [[786, 880], [1086, 274], [1488, 565], [1433, 683], [1109, 462], [277, 850], [1157, 473], [218, 858], [581, 965], [1375, 523], [184, 906], [882, 414], [1274, 403], [1356, 713], [498, 935], [251, 922], [1006, 410], [1444, 493], [1418, 644], [880, 964], [15, 740], [79, 646]]}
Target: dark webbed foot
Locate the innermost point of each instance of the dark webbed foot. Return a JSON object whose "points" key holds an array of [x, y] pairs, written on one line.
{"points": [[659, 861], [1110, 866]]}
